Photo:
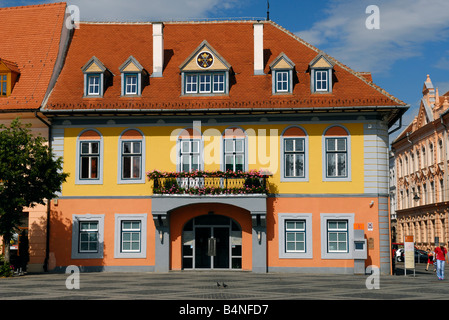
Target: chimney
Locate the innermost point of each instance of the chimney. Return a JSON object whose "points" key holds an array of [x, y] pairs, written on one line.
{"points": [[258, 49], [158, 49]]}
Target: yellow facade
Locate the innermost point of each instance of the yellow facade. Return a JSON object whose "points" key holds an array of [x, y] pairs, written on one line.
{"points": [[263, 154]]}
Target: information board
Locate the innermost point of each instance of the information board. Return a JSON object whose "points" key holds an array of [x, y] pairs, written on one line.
{"points": [[409, 252]]}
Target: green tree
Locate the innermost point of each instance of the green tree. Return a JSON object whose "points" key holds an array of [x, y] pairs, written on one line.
{"points": [[29, 175]]}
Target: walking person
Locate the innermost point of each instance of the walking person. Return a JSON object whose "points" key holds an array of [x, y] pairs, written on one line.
{"points": [[429, 258], [441, 257]]}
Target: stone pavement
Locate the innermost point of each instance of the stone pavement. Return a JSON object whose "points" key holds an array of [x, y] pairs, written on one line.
{"points": [[242, 286]]}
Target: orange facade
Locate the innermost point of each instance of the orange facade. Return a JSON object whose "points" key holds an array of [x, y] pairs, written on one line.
{"points": [[361, 207]]}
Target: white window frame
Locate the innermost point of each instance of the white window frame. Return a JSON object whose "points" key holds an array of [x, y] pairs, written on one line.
{"points": [[77, 220], [285, 81], [133, 86], [234, 152], [90, 155], [189, 153], [293, 229], [91, 86], [131, 231], [325, 218], [118, 252], [295, 153], [338, 232], [303, 217], [91, 230], [321, 81], [132, 155], [314, 80], [205, 83], [191, 85], [120, 179], [78, 179], [220, 81], [335, 153], [348, 156]]}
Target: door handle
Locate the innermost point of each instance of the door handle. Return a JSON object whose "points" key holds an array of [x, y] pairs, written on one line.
{"points": [[212, 247]]}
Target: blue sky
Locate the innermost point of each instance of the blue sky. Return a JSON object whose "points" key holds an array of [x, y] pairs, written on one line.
{"points": [[411, 42]]}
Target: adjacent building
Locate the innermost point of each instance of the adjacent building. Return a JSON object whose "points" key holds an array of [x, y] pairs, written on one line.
{"points": [[217, 145], [32, 50], [421, 155]]}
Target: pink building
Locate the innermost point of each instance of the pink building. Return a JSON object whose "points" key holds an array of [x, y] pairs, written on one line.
{"points": [[421, 157]]}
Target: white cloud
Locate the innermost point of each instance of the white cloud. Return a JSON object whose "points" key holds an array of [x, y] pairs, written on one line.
{"points": [[443, 62], [148, 10], [405, 27]]}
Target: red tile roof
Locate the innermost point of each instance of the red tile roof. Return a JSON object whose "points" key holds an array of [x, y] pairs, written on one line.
{"points": [[113, 43], [30, 39]]}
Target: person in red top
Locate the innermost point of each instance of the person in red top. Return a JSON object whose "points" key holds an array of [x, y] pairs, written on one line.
{"points": [[441, 257]]}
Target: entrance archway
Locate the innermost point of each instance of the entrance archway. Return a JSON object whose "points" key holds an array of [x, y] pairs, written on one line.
{"points": [[212, 242]]}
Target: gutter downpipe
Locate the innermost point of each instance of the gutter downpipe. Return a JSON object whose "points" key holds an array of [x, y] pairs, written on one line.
{"points": [[444, 159], [47, 240]]}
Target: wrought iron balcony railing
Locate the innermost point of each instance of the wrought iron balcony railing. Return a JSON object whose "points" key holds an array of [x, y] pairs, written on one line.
{"points": [[209, 183]]}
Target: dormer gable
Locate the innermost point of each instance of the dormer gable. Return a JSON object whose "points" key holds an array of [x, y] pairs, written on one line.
{"points": [[94, 65], [205, 72], [94, 78], [282, 74], [9, 74], [132, 75], [321, 72], [203, 58]]}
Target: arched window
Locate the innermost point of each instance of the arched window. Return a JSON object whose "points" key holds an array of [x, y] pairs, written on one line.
{"points": [[424, 157], [407, 168], [294, 163], [89, 157], [131, 157], [440, 151], [431, 155], [337, 146]]}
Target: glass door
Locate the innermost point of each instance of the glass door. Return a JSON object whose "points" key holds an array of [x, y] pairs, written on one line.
{"points": [[211, 242], [221, 258], [202, 247]]}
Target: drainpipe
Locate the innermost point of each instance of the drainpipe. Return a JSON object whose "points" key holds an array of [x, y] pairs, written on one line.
{"points": [[47, 241], [445, 173]]}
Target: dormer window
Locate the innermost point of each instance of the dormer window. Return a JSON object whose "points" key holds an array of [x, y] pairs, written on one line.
{"points": [[131, 84], [132, 74], [3, 84], [205, 72], [9, 73], [321, 70], [93, 83], [282, 74], [282, 81], [322, 80], [94, 78]]}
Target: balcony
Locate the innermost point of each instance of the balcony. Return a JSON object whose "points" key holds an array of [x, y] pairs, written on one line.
{"points": [[209, 183]]}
